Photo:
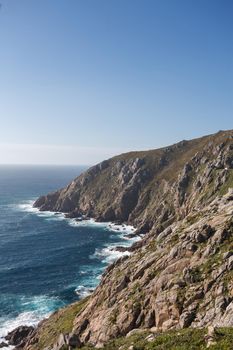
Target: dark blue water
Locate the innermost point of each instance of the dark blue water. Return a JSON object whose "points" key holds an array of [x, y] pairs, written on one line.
{"points": [[46, 261]]}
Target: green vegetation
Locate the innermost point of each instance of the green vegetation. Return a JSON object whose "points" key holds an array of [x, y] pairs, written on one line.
{"points": [[59, 322], [228, 184], [186, 339], [216, 258], [113, 316], [224, 339], [192, 219]]}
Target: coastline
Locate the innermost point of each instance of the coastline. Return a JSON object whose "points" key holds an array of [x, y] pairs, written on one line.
{"points": [[108, 254]]}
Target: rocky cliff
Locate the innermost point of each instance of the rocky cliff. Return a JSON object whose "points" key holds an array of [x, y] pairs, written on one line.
{"points": [[181, 273]]}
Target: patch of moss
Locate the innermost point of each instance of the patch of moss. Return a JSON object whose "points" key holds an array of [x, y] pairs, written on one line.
{"points": [[196, 274], [228, 184], [113, 316], [134, 290], [224, 339], [209, 190], [174, 239], [180, 298], [208, 265], [217, 258], [227, 278], [59, 322], [152, 274], [136, 298], [152, 246], [191, 219]]}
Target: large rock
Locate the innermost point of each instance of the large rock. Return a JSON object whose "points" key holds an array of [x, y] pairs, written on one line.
{"points": [[19, 335]]}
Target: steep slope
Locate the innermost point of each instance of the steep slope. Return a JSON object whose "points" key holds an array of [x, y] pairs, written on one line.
{"points": [[147, 188], [181, 278], [181, 273]]}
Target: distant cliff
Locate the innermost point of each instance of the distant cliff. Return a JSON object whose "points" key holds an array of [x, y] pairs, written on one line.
{"points": [[181, 273]]}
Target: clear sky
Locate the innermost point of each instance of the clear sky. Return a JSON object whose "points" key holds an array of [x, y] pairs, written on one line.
{"points": [[82, 80]]}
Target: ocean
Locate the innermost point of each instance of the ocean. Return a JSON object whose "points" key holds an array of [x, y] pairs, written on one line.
{"points": [[46, 261]]}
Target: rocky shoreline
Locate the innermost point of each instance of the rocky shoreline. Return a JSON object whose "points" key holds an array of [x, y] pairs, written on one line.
{"points": [[179, 275], [18, 337]]}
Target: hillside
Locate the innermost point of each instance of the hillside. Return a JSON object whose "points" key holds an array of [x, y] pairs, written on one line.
{"points": [[181, 273], [149, 188]]}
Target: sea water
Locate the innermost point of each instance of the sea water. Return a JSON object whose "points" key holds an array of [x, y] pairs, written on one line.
{"points": [[46, 260]]}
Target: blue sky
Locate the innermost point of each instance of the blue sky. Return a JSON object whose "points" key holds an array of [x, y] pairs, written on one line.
{"points": [[81, 80]]}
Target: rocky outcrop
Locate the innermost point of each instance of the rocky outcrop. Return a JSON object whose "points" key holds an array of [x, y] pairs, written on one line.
{"points": [[150, 188], [180, 274], [3, 345], [19, 335]]}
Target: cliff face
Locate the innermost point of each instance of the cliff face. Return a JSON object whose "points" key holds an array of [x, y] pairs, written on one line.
{"points": [[181, 273], [150, 188], [180, 278]]}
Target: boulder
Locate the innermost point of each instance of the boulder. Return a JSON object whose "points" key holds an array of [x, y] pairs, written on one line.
{"points": [[61, 343], [230, 263], [19, 335], [210, 337], [74, 341]]}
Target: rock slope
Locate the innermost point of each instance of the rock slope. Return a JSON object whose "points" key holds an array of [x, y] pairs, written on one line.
{"points": [[149, 189], [180, 278], [181, 273]]}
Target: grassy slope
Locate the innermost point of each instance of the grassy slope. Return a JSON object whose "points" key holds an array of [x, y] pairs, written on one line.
{"points": [[186, 339], [59, 322]]}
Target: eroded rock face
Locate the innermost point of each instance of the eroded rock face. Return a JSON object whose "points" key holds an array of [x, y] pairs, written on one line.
{"points": [[165, 284], [180, 274]]}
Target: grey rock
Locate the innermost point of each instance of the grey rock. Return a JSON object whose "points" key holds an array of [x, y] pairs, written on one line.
{"points": [[19, 335], [61, 342], [187, 318], [74, 341], [230, 263]]}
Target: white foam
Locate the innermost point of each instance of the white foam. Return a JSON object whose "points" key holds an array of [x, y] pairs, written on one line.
{"points": [[9, 347], [121, 228], [109, 254], [27, 206], [41, 308], [29, 318], [83, 292], [87, 223]]}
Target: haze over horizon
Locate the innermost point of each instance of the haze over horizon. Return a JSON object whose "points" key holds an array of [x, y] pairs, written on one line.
{"points": [[85, 80]]}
